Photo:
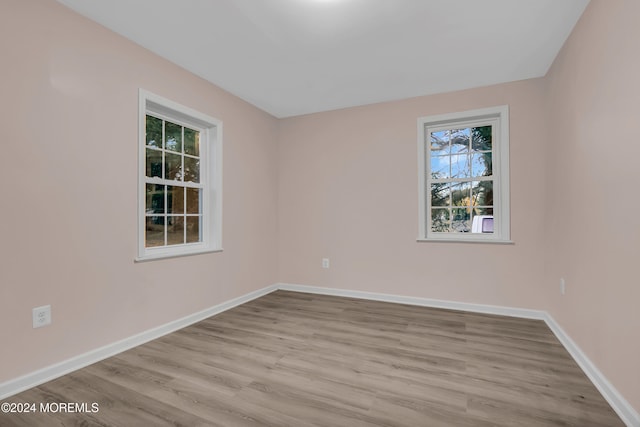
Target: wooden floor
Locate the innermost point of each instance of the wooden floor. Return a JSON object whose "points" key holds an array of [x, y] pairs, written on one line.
{"points": [[294, 359]]}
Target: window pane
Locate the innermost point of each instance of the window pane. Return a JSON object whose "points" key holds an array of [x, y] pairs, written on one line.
{"points": [[154, 163], [483, 211], [440, 194], [191, 169], [460, 167], [440, 220], [483, 193], [153, 132], [440, 167], [193, 229], [461, 194], [154, 231], [173, 137], [461, 220], [191, 142], [175, 199], [481, 164], [175, 230], [439, 143], [481, 138], [173, 166], [193, 200], [155, 199], [460, 140]]}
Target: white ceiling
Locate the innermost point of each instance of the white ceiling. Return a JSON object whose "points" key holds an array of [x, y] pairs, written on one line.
{"points": [[292, 57]]}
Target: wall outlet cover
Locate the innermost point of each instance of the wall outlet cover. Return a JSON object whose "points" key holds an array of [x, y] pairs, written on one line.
{"points": [[41, 316]]}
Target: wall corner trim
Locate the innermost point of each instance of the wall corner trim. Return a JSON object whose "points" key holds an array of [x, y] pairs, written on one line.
{"points": [[619, 404]]}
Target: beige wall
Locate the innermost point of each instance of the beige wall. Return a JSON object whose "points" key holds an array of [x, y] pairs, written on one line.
{"points": [[68, 227], [348, 189], [592, 215]]}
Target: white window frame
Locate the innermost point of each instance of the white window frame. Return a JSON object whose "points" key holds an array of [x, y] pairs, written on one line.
{"points": [[499, 116], [210, 175]]}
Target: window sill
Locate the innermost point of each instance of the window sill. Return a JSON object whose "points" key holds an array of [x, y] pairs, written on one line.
{"points": [[154, 257], [491, 241]]}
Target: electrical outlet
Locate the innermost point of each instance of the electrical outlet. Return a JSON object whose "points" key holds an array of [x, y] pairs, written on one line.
{"points": [[41, 316], [325, 262], [563, 286]]}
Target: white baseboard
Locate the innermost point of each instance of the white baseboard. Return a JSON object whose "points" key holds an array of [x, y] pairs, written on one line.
{"points": [[621, 406], [425, 302], [11, 387]]}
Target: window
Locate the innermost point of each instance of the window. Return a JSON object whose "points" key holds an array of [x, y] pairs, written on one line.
{"points": [[180, 177], [464, 176]]}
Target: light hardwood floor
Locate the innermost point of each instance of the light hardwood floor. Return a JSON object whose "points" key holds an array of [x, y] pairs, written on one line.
{"points": [[294, 359]]}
